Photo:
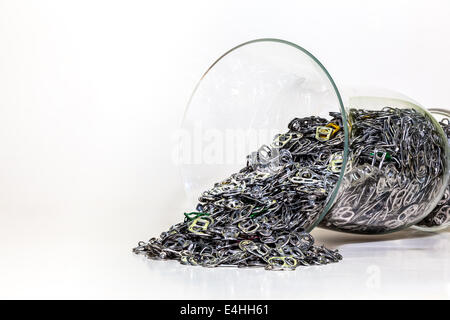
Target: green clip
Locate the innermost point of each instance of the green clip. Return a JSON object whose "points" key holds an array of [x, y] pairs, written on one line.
{"points": [[380, 154], [192, 215], [256, 213]]}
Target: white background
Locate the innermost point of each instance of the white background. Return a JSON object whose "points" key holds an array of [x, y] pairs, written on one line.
{"points": [[89, 94]]}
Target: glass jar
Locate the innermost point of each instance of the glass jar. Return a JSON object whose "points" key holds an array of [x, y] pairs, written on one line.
{"points": [[254, 90]]}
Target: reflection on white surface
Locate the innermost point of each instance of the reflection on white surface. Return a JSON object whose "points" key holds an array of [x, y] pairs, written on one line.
{"points": [[408, 264], [404, 265]]}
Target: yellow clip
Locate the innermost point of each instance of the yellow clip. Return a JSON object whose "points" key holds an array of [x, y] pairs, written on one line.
{"points": [[323, 133], [282, 262], [184, 257], [336, 162], [199, 224], [335, 127], [246, 243]]}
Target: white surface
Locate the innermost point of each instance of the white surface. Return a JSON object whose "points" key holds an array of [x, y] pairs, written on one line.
{"points": [[89, 93], [408, 265]]}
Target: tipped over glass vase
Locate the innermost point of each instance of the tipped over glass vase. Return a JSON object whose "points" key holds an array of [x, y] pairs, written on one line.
{"points": [[270, 132]]}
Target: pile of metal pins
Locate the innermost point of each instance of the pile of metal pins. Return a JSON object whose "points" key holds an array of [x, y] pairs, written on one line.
{"points": [[258, 216], [441, 213], [395, 170]]}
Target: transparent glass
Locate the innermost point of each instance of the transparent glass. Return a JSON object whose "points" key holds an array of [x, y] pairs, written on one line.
{"points": [[247, 96], [253, 91], [439, 218]]}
